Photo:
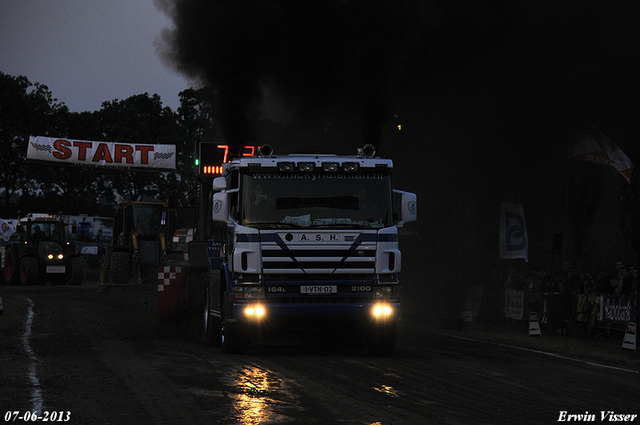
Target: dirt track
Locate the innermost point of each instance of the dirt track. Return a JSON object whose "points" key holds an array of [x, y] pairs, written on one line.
{"points": [[101, 357]]}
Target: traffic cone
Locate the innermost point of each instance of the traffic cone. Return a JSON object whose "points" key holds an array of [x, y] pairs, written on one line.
{"points": [[534, 325], [629, 341]]}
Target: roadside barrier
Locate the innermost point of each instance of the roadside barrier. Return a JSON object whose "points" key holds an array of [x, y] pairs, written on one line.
{"points": [[172, 292], [534, 325], [629, 341]]}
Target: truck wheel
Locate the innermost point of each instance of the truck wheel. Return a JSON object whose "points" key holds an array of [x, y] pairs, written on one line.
{"points": [[29, 271], [120, 267], [234, 337], [381, 339], [77, 271], [210, 325], [11, 266]]}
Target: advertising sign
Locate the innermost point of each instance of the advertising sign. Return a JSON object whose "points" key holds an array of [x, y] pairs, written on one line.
{"points": [[134, 156], [513, 242]]}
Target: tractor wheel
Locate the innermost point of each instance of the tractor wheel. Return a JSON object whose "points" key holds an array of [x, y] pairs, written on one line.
{"points": [[11, 267], [77, 271], [29, 271], [120, 267]]}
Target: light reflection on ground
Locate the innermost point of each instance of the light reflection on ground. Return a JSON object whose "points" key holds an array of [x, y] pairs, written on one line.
{"points": [[388, 390], [256, 393]]}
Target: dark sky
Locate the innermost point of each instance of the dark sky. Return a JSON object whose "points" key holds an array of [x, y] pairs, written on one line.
{"points": [[88, 51]]}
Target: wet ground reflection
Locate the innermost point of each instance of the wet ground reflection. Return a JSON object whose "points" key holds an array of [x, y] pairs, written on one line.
{"points": [[257, 396], [388, 390]]}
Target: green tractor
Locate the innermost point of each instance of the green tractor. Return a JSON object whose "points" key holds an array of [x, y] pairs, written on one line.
{"points": [[139, 244], [39, 251]]}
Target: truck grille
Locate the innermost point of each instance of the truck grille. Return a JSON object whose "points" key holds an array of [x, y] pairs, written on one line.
{"points": [[358, 257]]}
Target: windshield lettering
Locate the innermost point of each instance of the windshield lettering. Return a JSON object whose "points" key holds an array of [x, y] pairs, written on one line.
{"points": [[277, 200]]}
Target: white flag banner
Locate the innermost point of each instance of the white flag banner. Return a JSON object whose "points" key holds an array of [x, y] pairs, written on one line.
{"points": [[513, 232], [593, 146], [5, 230], [143, 156]]}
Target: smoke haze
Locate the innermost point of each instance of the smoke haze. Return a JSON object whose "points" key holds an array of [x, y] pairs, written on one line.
{"points": [[334, 60], [486, 93]]}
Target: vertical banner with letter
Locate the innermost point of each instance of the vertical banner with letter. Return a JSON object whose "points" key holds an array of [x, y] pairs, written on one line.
{"points": [[513, 241]]}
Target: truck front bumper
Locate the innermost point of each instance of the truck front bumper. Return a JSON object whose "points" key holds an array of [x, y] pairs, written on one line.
{"points": [[255, 312]]}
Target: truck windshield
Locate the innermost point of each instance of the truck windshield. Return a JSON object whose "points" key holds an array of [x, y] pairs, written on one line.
{"points": [[272, 200]]}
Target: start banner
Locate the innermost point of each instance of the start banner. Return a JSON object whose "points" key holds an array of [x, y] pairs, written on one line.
{"points": [[140, 156]]}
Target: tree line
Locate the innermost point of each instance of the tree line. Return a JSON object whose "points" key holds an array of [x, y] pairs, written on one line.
{"points": [[28, 108]]}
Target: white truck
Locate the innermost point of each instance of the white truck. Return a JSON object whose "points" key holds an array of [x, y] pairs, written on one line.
{"points": [[304, 238]]}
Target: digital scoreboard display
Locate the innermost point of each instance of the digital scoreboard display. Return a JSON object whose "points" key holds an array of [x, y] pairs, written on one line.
{"points": [[212, 155]]}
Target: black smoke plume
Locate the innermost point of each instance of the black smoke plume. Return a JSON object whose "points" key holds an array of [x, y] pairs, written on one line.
{"points": [[328, 61], [486, 92]]}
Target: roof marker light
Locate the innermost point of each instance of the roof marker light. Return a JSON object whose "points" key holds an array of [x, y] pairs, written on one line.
{"points": [[306, 167], [286, 166], [330, 167], [351, 167]]}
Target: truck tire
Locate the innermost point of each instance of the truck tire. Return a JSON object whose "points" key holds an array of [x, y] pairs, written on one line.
{"points": [[210, 325], [11, 266], [120, 267], [29, 271], [234, 338], [77, 271], [381, 339]]}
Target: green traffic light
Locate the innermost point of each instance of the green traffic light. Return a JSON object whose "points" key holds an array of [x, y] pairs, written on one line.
{"points": [[197, 162]]}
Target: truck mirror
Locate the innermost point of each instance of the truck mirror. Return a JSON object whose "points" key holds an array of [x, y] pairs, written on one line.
{"points": [[219, 183], [220, 210], [408, 207]]}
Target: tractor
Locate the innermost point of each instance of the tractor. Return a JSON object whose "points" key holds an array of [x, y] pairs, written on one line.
{"points": [[39, 250], [139, 244]]}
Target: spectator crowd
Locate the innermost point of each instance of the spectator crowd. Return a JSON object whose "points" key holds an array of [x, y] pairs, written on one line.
{"points": [[623, 281]]}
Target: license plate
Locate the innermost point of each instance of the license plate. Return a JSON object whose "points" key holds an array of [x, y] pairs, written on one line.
{"points": [[56, 269], [319, 289]]}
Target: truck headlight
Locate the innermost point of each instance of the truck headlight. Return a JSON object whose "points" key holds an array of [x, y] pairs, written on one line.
{"points": [[382, 311], [255, 311]]}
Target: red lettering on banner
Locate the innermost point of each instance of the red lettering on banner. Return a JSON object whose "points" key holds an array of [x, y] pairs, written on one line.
{"points": [[62, 146], [123, 152], [144, 150], [102, 153], [82, 149]]}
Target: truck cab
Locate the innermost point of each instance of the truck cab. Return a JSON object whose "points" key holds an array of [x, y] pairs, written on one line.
{"points": [[307, 238]]}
